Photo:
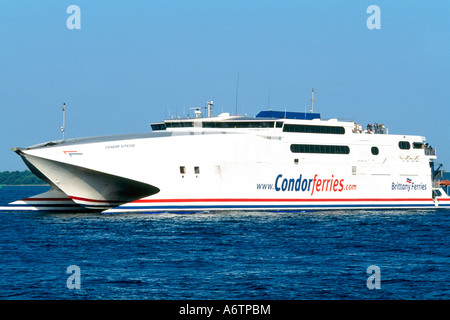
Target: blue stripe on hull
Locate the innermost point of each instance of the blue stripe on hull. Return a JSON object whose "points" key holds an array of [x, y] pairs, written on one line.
{"points": [[125, 208], [281, 207]]}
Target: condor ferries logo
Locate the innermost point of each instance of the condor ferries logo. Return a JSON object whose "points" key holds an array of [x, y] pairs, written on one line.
{"points": [[408, 185], [73, 153], [306, 184]]}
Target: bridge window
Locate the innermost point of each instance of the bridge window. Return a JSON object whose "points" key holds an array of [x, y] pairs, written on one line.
{"points": [[158, 126], [180, 124], [238, 124]]}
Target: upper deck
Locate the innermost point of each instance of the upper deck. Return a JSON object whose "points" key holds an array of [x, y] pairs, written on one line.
{"points": [[294, 122], [301, 122]]}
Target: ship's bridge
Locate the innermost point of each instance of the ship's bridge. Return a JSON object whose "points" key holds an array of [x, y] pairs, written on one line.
{"points": [[264, 119]]}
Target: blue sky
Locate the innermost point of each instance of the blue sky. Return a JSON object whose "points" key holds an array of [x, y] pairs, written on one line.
{"points": [[134, 61]]}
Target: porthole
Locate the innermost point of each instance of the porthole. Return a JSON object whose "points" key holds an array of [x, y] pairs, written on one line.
{"points": [[375, 151]]}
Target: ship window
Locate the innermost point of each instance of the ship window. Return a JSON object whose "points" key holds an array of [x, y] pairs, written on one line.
{"points": [[301, 128], [311, 148], [279, 124], [404, 145], [238, 124], [418, 145], [196, 170], [182, 169], [158, 126], [375, 151], [180, 124]]}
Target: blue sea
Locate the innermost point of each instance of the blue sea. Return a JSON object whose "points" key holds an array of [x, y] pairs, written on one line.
{"points": [[228, 255]]}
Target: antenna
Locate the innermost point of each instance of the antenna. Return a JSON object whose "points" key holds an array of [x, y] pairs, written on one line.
{"points": [[210, 108], [312, 100], [237, 89], [268, 99], [63, 128]]}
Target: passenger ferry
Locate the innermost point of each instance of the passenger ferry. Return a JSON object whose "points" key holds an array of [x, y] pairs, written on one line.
{"points": [[276, 161]]}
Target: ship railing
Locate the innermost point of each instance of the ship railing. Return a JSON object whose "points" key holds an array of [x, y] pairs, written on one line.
{"points": [[438, 186], [429, 151], [380, 130], [436, 183]]}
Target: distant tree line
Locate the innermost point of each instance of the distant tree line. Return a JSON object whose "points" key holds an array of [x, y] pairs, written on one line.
{"points": [[19, 178]]}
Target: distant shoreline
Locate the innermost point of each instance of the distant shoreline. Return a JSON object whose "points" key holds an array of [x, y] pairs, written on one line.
{"points": [[20, 178], [24, 185]]}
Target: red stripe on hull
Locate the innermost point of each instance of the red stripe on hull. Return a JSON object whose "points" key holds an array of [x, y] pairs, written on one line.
{"points": [[278, 200]]}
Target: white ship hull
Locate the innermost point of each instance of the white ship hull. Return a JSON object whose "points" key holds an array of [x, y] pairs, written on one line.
{"points": [[203, 168]]}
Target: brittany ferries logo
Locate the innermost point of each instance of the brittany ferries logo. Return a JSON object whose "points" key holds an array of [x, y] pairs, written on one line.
{"points": [[408, 185]]}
